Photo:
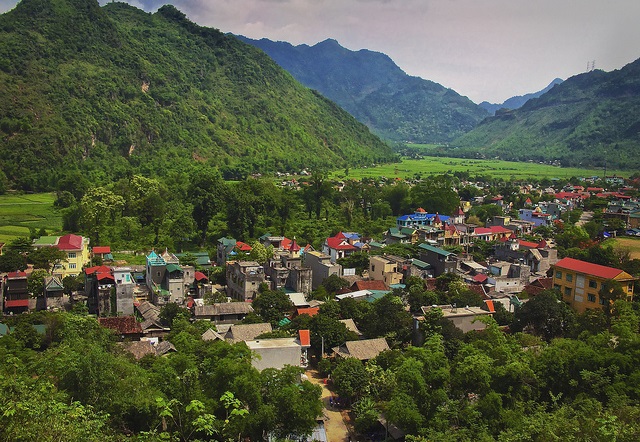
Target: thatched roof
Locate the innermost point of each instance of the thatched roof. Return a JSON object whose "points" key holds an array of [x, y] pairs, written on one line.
{"points": [[364, 350], [246, 332], [224, 308], [211, 335], [139, 349], [351, 326]]}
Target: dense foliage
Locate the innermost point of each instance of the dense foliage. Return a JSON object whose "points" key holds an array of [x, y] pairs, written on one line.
{"points": [[589, 119], [107, 92], [378, 93]]}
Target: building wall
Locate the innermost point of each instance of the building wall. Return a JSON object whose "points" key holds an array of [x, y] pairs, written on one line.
{"points": [[581, 290], [276, 357], [321, 268]]}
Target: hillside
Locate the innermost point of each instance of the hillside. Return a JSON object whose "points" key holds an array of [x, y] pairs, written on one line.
{"points": [[112, 90], [589, 119], [517, 101], [372, 88]]}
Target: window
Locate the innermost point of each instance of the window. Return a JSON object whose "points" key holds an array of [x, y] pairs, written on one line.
{"points": [[591, 297], [373, 268], [602, 300], [567, 291], [72, 255], [556, 286], [569, 277], [593, 284], [559, 275], [72, 265]]}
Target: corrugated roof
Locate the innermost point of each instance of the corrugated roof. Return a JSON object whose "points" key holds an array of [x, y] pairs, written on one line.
{"points": [[364, 349], [70, 242], [588, 268], [305, 338]]}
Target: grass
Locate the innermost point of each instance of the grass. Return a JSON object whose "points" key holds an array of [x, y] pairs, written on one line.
{"points": [[19, 212], [632, 244], [495, 168]]}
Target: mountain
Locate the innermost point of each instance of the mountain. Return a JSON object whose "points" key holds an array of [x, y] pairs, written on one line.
{"points": [[107, 91], [372, 88], [517, 101], [590, 119]]}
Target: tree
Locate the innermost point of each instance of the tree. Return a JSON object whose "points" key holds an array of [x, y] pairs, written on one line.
{"points": [[12, 261], [46, 257], [545, 315], [350, 378], [272, 305], [357, 260], [333, 283], [35, 282], [259, 253], [207, 194], [99, 206], [73, 283], [171, 312]]}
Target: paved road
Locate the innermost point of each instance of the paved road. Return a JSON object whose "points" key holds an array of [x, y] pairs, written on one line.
{"points": [[335, 426]]}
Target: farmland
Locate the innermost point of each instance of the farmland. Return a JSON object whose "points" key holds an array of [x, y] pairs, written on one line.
{"points": [[19, 212], [506, 170], [629, 243]]}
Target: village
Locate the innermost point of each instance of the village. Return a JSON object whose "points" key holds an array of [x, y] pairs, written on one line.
{"points": [[300, 283]]}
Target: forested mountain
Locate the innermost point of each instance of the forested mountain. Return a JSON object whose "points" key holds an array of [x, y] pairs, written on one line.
{"points": [[111, 91], [518, 100], [377, 92], [589, 119]]}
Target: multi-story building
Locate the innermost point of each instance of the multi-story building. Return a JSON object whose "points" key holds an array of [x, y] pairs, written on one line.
{"points": [[244, 279], [580, 282], [76, 248], [388, 268], [440, 260], [321, 267], [16, 292]]}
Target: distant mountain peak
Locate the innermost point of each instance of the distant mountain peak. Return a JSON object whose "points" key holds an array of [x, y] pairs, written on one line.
{"points": [[519, 100]]}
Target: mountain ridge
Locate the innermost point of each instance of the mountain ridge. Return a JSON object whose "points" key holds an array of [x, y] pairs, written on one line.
{"points": [[371, 87], [517, 101]]}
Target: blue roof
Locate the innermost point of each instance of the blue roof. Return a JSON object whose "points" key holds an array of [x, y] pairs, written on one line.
{"points": [[154, 259]]}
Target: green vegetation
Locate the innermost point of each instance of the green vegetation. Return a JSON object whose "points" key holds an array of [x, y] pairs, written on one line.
{"points": [[495, 169], [590, 119], [104, 93], [22, 213]]}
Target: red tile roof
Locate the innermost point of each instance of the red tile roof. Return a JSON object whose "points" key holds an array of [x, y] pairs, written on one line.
{"points": [[588, 268], [243, 247], [70, 242], [480, 278], [97, 269], [305, 338], [311, 311], [369, 285], [529, 244], [124, 325], [17, 274], [339, 244], [199, 276], [492, 229], [490, 305], [102, 249]]}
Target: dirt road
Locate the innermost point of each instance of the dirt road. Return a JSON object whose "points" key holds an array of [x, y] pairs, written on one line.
{"points": [[335, 426]]}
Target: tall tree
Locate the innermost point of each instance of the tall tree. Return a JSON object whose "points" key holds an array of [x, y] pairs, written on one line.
{"points": [[207, 193]]}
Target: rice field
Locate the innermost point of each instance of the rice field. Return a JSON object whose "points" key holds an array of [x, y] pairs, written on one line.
{"points": [[506, 170], [19, 212]]}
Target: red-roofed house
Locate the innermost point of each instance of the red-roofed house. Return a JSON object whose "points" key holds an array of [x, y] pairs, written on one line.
{"points": [[369, 285], [125, 326], [102, 252], [311, 311], [338, 247], [493, 233], [243, 247], [77, 250], [16, 292], [580, 282]]}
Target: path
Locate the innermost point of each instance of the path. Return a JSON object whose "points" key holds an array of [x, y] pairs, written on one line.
{"points": [[584, 218], [335, 427]]}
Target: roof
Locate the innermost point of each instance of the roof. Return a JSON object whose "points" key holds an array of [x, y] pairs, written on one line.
{"points": [[53, 284], [492, 229], [369, 285], [70, 242], [588, 268], [199, 276], [243, 247], [16, 275], [212, 335], [11, 303], [351, 326], [339, 244], [139, 349], [311, 311], [298, 299], [97, 269], [155, 260], [224, 308], [305, 338], [246, 332], [437, 250], [46, 241], [364, 349], [173, 268], [164, 347], [102, 249], [124, 325], [148, 310], [480, 278]]}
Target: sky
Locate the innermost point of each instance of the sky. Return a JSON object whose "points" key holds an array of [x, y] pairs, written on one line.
{"points": [[483, 49]]}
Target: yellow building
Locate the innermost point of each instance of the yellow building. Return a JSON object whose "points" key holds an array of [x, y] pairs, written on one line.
{"points": [[387, 268], [77, 249], [580, 282]]}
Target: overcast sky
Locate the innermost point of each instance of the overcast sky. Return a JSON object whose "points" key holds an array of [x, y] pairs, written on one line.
{"points": [[484, 49]]}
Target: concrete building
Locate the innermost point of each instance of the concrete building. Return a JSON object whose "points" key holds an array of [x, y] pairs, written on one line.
{"points": [[440, 260], [244, 279], [321, 267], [279, 352], [125, 286], [388, 268]]}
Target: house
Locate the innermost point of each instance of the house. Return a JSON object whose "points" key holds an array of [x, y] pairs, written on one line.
{"points": [[125, 326], [321, 267], [364, 349], [52, 296], [77, 249], [538, 285], [224, 248], [536, 216], [580, 282], [98, 282], [166, 279], [440, 260], [246, 332], [280, 352], [464, 318], [16, 292], [224, 312], [492, 233], [102, 252], [537, 255], [403, 235], [244, 279], [338, 247], [420, 219], [389, 269], [125, 286], [351, 326], [285, 270]]}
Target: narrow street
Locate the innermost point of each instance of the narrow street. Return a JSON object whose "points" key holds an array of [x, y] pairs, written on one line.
{"points": [[335, 426]]}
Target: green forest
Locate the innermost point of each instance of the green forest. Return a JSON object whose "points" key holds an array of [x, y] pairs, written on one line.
{"points": [[108, 92]]}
